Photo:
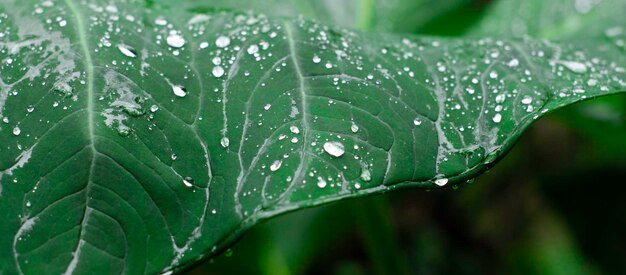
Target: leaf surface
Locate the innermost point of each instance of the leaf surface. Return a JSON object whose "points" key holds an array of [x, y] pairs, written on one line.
{"points": [[140, 140]]}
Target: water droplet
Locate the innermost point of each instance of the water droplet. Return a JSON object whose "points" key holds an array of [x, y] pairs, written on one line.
{"points": [[154, 108], [493, 75], [513, 63], [188, 181], [222, 42], [160, 21], [334, 148], [225, 142], [253, 49], [218, 71], [417, 122], [179, 90], [267, 106], [276, 165], [175, 40], [574, 66], [17, 131], [366, 175], [294, 129], [204, 45], [173, 156], [216, 60], [30, 109], [321, 182], [497, 118], [441, 182], [354, 128], [316, 59], [527, 100], [127, 50]]}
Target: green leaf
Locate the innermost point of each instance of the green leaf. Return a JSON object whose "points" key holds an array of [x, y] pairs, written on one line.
{"points": [[140, 139]]}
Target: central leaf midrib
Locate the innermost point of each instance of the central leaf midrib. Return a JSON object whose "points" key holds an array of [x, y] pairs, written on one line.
{"points": [[89, 71]]}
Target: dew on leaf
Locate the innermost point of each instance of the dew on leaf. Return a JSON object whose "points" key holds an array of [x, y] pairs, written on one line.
{"points": [[175, 40], [334, 148], [321, 182], [17, 131], [188, 181], [218, 71], [179, 90], [225, 142], [441, 182], [497, 118], [276, 165], [127, 50], [222, 42], [294, 129]]}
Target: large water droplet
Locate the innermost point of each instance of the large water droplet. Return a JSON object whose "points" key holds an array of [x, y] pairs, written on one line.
{"points": [[294, 129], [179, 90], [276, 165], [127, 50], [321, 182], [354, 128], [497, 118], [253, 49], [188, 181], [574, 66], [175, 40], [222, 42], [225, 142], [218, 71], [334, 148]]}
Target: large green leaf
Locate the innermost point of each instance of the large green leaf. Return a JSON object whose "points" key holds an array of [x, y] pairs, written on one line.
{"points": [[139, 139]]}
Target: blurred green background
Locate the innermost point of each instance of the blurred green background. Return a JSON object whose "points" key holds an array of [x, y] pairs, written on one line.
{"points": [[554, 205]]}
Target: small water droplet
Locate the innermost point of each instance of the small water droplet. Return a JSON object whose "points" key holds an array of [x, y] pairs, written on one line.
{"points": [[179, 90], [173, 156], [267, 106], [154, 108], [334, 148], [513, 63], [30, 109], [225, 142], [218, 71], [253, 49], [188, 181], [497, 118], [417, 122], [294, 129], [574, 66], [321, 182], [441, 182], [222, 42], [17, 131], [354, 128], [276, 165], [366, 175], [204, 45], [527, 100], [160, 21], [127, 50], [316, 59]]}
